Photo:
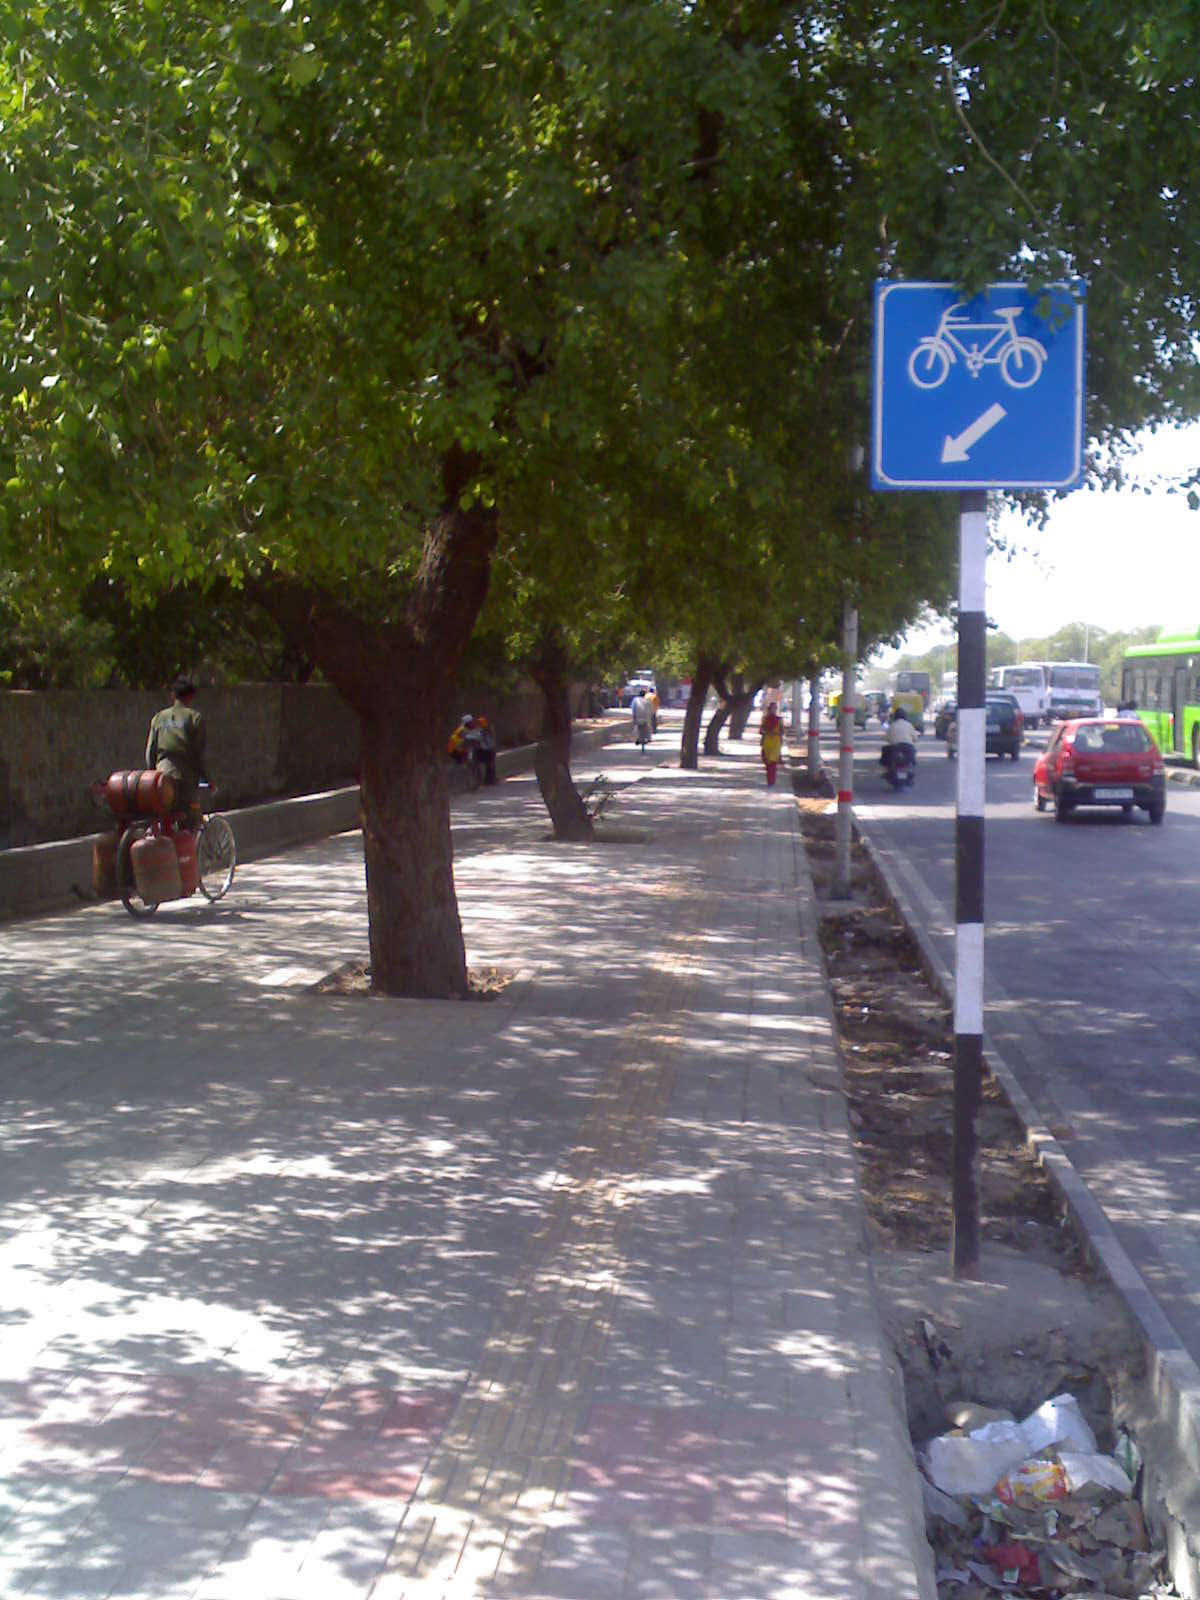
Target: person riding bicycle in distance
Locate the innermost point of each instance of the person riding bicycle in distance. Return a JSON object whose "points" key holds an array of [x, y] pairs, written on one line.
{"points": [[900, 731], [175, 744]]}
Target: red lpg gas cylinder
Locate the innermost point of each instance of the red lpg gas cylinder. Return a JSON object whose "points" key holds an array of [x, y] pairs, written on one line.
{"points": [[145, 794], [156, 870], [185, 849], [104, 865]]}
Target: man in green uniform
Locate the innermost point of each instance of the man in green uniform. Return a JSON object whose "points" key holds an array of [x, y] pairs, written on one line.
{"points": [[176, 742]]}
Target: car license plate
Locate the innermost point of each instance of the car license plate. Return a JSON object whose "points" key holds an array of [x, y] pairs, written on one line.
{"points": [[1114, 794]]}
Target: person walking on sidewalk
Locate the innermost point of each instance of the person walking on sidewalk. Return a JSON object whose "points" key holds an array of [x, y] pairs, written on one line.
{"points": [[643, 718], [771, 742]]}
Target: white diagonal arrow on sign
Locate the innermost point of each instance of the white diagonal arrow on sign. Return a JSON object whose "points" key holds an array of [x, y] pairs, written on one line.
{"points": [[958, 447]]}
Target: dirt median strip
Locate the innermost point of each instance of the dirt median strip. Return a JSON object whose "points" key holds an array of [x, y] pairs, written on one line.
{"points": [[1153, 1383]]}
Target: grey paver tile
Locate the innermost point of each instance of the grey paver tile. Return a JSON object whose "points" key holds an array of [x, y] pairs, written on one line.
{"points": [[773, 1567], [584, 1563], [71, 1580], [670, 1564]]}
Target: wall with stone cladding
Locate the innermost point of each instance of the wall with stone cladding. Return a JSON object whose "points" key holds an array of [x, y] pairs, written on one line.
{"points": [[265, 740]]}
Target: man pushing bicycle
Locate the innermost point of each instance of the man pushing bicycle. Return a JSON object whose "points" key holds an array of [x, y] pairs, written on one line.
{"points": [[176, 741]]}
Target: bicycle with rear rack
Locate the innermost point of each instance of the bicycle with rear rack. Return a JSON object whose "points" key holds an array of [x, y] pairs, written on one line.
{"points": [[158, 851]]}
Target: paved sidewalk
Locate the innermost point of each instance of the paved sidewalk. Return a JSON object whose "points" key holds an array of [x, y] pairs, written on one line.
{"points": [[559, 1296]]}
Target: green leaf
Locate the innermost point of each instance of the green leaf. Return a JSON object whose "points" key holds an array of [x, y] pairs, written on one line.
{"points": [[304, 67]]}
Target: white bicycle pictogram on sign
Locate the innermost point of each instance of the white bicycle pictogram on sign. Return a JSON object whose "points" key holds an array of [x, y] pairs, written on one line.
{"points": [[997, 344]]}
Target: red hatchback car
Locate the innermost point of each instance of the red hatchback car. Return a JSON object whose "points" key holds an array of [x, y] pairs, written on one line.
{"points": [[1101, 761]]}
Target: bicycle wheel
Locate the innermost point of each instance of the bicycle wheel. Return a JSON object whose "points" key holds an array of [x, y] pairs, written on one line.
{"points": [[126, 882], [1021, 364], [216, 857], [929, 364]]}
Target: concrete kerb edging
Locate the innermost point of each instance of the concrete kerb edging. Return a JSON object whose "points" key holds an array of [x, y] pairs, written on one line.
{"points": [[52, 877], [1172, 1399], [890, 1497]]}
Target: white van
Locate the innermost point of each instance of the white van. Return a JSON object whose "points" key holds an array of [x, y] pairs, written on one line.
{"points": [[1073, 689], [1028, 683]]}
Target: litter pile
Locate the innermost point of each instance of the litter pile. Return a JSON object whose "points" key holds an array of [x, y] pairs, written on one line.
{"points": [[1033, 1508]]}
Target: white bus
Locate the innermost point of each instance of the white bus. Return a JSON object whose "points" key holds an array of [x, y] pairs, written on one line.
{"points": [[1072, 689], [1028, 683]]}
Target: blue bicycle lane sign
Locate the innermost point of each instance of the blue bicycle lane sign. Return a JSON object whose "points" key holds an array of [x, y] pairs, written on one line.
{"points": [[977, 394]]}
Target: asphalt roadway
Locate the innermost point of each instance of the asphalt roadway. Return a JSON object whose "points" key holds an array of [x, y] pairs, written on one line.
{"points": [[1091, 984]]}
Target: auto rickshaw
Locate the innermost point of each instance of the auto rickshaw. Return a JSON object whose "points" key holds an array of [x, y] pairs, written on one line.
{"points": [[860, 708], [913, 705]]}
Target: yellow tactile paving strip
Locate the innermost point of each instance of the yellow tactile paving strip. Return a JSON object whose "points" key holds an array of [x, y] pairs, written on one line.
{"points": [[499, 1475]]}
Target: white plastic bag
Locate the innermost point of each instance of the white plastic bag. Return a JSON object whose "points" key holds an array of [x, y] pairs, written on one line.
{"points": [[1082, 1467], [972, 1463], [1058, 1421]]}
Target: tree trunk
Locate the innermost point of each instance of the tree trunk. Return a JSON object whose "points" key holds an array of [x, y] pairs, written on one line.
{"points": [[712, 734], [415, 933], [743, 704], [552, 758], [689, 747], [399, 676]]}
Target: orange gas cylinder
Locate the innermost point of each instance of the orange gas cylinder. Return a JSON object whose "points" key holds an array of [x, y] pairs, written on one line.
{"points": [[156, 870], [185, 849], [104, 866], [140, 793]]}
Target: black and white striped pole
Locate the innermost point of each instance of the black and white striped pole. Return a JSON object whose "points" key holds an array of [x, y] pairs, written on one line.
{"points": [[1016, 424], [968, 886]]}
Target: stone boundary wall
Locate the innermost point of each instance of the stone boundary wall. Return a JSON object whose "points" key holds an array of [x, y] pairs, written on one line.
{"points": [[264, 740], [51, 877]]}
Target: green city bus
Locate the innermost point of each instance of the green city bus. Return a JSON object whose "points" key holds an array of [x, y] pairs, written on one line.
{"points": [[1162, 681]]}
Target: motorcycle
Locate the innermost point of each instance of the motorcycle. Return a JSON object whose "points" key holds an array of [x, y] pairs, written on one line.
{"points": [[899, 765]]}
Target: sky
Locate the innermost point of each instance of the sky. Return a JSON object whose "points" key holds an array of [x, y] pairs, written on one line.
{"points": [[1116, 560]]}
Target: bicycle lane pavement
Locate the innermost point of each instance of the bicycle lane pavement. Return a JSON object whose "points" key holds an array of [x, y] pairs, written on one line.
{"points": [[560, 1295]]}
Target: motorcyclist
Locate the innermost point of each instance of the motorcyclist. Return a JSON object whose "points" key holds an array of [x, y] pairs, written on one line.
{"points": [[900, 732]]}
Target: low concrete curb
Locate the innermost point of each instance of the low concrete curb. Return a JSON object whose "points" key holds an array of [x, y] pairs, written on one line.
{"points": [[1166, 1413], [51, 877]]}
